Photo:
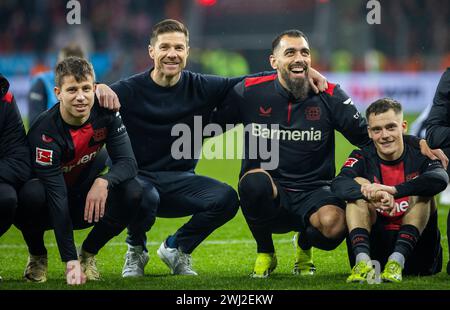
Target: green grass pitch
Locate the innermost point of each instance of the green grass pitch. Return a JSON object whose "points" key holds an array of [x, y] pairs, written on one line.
{"points": [[224, 261]]}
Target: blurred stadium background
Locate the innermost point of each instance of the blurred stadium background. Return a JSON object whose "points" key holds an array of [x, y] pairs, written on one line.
{"points": [[403, 57]]}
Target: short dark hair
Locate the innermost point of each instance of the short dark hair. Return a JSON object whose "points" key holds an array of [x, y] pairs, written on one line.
{"points": [[77, 67], [293, 33], [383, 105], [166, 26]]}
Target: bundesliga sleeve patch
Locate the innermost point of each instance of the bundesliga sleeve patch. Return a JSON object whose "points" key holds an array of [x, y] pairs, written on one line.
{"points": [[350, 162], [44, 157]]}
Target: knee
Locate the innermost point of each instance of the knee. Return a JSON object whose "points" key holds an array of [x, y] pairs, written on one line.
{"points": [[32, 197], [147, 201], [150, 201], [129, 196], [132, 193], [332, 222], [255, 186], [8, 202], [228, 201]]}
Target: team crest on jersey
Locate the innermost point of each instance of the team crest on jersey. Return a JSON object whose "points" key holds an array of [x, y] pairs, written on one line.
{"points": [[350, 162], [312, 113], [44, 157], [99, 134], [265, 112], [47, 139]]}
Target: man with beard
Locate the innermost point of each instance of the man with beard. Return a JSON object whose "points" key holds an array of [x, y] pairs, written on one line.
{"points": [[295, 196], [389, 188], [153, 103]]}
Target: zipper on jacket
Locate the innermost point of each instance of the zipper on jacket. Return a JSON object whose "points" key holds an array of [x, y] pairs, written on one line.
{"points": [[289, 112]]}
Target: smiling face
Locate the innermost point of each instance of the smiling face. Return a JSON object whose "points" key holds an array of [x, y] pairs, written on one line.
{"points": [[386, 130], [292, 59], [76, 99], [169, 53]]}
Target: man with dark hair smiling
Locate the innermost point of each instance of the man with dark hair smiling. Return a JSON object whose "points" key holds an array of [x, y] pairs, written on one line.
{"points": [[391, 213], [74, 189], [41, 96], [153, 102], [296, 195]]}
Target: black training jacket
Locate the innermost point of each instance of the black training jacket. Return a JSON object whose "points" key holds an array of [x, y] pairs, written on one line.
{"points": [[63, 156], [15, 166]]}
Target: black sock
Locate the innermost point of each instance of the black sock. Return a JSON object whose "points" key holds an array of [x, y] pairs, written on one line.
{"points": [[406, 240], [303, 241], [318, 240], [360, 241], [100, 235], [263, 238], [35, 242]]}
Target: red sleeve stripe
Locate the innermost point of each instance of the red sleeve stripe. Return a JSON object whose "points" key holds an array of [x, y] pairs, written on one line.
{"points": [[259, 80], [330, 89], [8, 97]]}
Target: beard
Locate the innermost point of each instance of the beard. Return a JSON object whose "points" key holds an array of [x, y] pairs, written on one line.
{"points": [[299, 87]]}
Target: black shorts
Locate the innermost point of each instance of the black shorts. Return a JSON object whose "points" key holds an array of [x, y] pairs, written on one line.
{"points": [[426, 258], [297, 206]]}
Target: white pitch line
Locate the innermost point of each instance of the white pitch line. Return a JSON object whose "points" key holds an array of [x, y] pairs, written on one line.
{"points": [[151, 243], [154, 243]]}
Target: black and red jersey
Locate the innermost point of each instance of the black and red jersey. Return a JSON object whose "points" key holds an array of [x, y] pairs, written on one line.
{"points": [[15, 166], [438, 122], [304, 129], [412, 174], [63, 157]]}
